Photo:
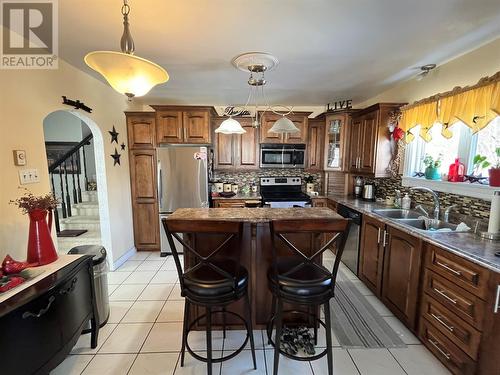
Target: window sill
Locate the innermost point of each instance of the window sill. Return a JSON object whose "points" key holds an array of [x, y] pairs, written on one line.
{"points": [[460, 188]]}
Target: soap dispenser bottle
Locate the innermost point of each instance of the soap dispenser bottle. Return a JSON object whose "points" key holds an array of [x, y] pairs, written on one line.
{"points": [[456, 171], [406, 202]]}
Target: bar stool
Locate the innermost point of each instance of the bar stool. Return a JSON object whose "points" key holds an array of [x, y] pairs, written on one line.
{"points": [[212, 281], [296, 279]]}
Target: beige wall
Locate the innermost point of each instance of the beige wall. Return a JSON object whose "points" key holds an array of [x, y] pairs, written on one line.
{"points": [[462, 71], [26, 98]]}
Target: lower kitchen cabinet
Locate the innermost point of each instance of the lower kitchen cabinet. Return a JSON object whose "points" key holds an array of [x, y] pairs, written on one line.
{"points": [[237, 203], [371, 255], [401, 274]]}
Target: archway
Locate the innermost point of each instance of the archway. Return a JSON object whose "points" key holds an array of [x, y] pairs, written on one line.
{"points": [[84, 192]]}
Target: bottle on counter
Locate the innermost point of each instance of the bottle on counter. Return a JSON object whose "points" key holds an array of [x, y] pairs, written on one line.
{"points": [[397, 200], [406, 202]]}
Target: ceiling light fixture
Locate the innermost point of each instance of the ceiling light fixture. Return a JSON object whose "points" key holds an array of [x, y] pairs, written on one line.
{"points": [[128, 74], [424, 71], [258, 63], [230, 126]]}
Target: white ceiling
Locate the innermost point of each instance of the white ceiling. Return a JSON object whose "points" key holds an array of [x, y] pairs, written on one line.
{"points": [[328, 49]]}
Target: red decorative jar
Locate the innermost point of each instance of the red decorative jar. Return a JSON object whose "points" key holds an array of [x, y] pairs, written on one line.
{"points": [[494, 176], [456, 171], [41, 248]]}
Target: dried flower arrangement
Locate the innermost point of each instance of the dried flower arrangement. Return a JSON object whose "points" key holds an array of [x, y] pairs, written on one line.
{"points": [[29, 202]]}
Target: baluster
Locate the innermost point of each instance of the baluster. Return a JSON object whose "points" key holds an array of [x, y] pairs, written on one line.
{"points": [[73, 171], [63, 203], [85, 168], [56, 212], [68, 199], [78, 180]]}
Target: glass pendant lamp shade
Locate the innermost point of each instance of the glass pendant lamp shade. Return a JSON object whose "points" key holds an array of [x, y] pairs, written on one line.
{"points": [[230, 126], [284, 125], [126, 73]]}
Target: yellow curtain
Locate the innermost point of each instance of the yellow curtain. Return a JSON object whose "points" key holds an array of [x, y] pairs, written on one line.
{"points": [[475, 107]]}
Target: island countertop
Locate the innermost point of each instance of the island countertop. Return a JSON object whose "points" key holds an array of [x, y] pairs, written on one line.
{"points": [[253, 215]]}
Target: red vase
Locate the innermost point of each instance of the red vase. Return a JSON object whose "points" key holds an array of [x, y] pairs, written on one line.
{"points": [[41, 249], [494, 177]]}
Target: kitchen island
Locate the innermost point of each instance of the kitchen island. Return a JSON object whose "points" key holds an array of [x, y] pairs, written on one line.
{"points": [[256, 251]]}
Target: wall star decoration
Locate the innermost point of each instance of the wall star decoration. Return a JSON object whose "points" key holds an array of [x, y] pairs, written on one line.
{"points": [[114, 135], [122, 146], [116, 157]]}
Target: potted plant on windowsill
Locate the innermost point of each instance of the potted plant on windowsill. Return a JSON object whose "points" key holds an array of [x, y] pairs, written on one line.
{"points": [[432, 167], [494, 171]]}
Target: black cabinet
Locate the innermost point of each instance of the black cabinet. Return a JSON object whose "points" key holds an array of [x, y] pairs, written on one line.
{"points": [[40, 325]]}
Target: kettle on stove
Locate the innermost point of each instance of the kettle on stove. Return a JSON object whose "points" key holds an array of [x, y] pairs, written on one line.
{"points": [[369, 191]]}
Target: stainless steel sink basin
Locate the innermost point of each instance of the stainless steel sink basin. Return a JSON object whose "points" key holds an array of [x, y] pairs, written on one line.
{"points": [[397, 213], [432, 226]]}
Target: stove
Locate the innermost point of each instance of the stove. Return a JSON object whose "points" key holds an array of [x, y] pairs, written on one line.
{"points": [[283, 192]]}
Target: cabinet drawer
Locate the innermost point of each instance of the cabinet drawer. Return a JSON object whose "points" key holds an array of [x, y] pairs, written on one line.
{"points": [[466, 305], [462, 334], [448, 353], [460, 271]]}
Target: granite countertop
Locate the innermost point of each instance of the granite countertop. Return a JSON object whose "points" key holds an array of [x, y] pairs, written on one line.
{"points": [[465, 244], [240, 196], [252, 215]]}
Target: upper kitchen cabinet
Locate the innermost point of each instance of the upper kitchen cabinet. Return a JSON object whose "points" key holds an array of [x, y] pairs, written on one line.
{"points": [[141, 130], [183, 125], [316, 129], [236, 151], [370, 148], [298, 118], [335, 138]]}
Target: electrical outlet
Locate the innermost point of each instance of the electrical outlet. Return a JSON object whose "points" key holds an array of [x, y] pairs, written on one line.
{"points": [[28, 176]]}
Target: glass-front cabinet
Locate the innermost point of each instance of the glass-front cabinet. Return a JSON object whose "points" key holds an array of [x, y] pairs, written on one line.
{"points": [[335, 141]]}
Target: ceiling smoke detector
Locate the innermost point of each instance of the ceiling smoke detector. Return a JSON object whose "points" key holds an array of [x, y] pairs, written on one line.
{"points": [[424, 71]]}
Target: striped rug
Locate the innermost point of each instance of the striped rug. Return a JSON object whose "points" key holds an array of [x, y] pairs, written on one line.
{"points": [[356, 323]]}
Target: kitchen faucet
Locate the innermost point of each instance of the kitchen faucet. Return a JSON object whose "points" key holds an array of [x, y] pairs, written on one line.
{"points": [[447, 212], [434, 196]]}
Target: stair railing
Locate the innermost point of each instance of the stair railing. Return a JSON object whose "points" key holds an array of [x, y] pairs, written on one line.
{"points": [[60, 167]]}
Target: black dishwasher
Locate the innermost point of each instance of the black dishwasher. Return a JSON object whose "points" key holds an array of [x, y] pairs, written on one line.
{"points": [[350, 257]]}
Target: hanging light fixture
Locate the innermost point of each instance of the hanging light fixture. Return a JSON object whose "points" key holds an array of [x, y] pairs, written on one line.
{"points": [[230, 126], [284, 125], [128, 74]]}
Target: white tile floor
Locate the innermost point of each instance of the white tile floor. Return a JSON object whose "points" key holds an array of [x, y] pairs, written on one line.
{"points": [[143, 336]]}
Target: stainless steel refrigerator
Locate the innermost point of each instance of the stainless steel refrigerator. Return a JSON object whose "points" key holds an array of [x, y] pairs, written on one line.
{"points": [[182, 182]]}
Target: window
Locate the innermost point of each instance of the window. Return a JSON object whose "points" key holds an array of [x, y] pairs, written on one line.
{"points": [[463, 145]]}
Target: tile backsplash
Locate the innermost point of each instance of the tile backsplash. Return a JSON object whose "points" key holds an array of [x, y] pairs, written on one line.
{"points": [[467, 206], [243, 177]]}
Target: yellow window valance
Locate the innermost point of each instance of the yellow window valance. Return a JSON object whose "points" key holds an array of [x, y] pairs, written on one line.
{"points": [[475, 106]]}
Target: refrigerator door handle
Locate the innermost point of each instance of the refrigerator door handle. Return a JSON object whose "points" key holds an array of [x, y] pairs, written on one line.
{"points": [[160, 185]]}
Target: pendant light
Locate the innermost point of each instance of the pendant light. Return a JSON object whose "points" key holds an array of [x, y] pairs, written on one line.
{"points": [[128, 74], [230, 126], [284, 125]]}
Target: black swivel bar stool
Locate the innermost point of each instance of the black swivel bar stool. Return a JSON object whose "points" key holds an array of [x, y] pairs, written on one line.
{"points": [[211, 281], [297, 279]]}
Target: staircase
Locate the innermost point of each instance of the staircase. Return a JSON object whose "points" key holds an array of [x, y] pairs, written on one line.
{"points": [[85, 216]]}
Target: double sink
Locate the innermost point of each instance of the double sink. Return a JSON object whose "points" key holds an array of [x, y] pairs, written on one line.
{"points": [[414, 219]]}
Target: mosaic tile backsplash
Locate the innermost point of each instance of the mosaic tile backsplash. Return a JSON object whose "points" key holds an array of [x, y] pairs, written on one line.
{"points": [[243, 178], [466, 206]]}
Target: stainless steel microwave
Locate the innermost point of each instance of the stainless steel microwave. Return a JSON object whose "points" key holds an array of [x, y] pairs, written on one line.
{"points": [[282, 155]]}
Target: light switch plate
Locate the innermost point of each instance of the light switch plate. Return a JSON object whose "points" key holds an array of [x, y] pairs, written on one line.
{"points": [[19, 157], [28, 176]]}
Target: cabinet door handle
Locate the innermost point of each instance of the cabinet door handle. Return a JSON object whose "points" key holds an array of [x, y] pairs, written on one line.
{"points": [[29, 314], [70, 288], [378, 236], [497, 300], [438, 348], [440, 320], [385, 238], [448, 268], [444, 295]]}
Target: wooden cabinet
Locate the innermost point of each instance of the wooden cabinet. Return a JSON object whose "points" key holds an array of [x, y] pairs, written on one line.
{"points": [[236, 151], [183, 125], [370, 144], [237, 203], [315, 144], [144, 199], [336, 157], [298, 118], [319, 202], [371, 255], [141, 130], [401, 274]]}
